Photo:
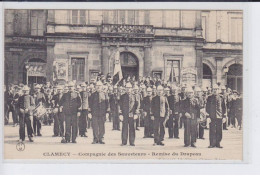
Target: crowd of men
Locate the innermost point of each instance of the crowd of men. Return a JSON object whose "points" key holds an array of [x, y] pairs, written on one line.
{"points": [[151, 103]]}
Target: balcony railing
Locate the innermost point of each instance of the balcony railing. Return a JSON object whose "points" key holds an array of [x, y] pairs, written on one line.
{"points": [[129, 30], [38, 40]]}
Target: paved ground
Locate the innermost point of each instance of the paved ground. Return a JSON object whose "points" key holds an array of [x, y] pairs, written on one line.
{"points": [[48, 147]]}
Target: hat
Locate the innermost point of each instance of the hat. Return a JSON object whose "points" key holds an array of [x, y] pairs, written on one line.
{"points": [[37, 86], [115, 87], [223, 87], [83, 84], [99, 83], [26, 88], [167, 89], [204, 89], [149, 89], [59, 87], [184, 85], [234, 91], [78, 87], [128, 85], [136, 87], [71, 84], [159, 87], [197, 89], [189, 90], [215, 86]]}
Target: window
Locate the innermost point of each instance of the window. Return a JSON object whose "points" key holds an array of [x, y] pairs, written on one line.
{"points": [[235, 77], [207, 76], [236, 30], [122, 17], [131, 17], [78, 69], [37, 22], [78, 17], [173, 71], [204, 27]]}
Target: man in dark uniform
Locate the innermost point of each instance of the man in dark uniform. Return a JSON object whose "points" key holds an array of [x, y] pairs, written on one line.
{"points": [[146, 107], [173, 122], [160, 115], [128, 106], [182, 97], [39, 100], [58, 115], [98, 104], [114, 108], [25, 104], [216, 109], [190, 109], [84, 110], [69, 104]]}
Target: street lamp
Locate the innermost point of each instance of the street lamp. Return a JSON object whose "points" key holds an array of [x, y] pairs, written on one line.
{"points": [[27, 67]]}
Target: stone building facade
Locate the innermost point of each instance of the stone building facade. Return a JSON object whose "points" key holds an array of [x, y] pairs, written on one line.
{"points": [[202, 47]]}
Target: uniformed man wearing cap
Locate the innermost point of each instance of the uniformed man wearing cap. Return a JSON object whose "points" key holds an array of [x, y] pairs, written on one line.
{"points": [[129, 106], [160, 115], [25, 104], [58, 114], [173, 122], [98, 104], [182, 97], [40, 99], [146, 107], [69, 104], [114, 98], [216, 109], [190, 110], [84, 110]]}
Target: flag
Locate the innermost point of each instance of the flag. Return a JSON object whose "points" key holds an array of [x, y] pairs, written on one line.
{"points": [[117, 74]]}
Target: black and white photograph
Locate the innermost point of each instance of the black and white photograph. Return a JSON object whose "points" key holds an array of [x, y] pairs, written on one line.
{"points": [[123, 84]]}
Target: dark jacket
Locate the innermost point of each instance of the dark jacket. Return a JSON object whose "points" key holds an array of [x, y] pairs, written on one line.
{"points": [[25, 101], [174, 103], [160, 106], [147, 104], [70, 101], [215, 106], [128, 104], [98, 103], [191, 106]]}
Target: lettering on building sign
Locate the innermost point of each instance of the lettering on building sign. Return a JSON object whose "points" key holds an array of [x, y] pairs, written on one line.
{"points": [[37, 69], [60, 70], [189, 76]]}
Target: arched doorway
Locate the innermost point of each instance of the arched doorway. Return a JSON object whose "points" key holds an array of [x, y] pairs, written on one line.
{"points": [[35, 71], [235, 77], [129, 65], [207, 76]]}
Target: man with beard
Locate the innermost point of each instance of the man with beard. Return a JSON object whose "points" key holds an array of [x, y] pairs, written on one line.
{"points": [[216, 109], [98, 107], [190, 109], [69, 105], [25, 105], [160, 115], [182, 97], [173, 122], [129, 106], [146, 106], [39, 98], [58, 114]]}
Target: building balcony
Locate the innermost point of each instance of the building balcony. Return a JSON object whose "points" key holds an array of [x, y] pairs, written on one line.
{"points": [[127, 31], [25, 40]]}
